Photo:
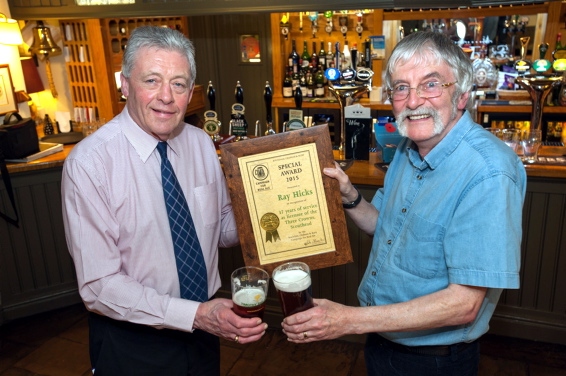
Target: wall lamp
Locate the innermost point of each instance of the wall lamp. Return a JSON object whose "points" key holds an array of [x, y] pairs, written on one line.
{"points": [[10, 31]]}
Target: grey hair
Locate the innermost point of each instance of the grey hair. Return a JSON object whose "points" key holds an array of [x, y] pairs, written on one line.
{"points": [[162, 38], [427, 47]]}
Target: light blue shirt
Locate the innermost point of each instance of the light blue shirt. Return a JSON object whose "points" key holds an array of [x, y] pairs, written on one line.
{"points": [[453, 216]]}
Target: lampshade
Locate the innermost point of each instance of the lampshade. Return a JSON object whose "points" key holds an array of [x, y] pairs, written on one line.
{"points": [[10, 31], [43, 42], [31, 76]]}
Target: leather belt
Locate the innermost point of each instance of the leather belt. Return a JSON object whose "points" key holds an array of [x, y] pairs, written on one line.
{"points": [[441, 350]]}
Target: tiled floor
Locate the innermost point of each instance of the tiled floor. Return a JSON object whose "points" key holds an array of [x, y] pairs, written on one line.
{"points": [[56, 344]]}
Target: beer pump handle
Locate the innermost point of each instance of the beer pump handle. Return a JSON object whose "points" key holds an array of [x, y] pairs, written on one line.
{"points": [[268, 97], [211, 94]]}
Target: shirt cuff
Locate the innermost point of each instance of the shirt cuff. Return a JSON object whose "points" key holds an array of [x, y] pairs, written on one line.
{"points": [[181, 314]]}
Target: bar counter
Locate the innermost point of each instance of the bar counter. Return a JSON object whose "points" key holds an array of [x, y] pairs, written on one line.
{"points": [[361, 172], [37, 273]]}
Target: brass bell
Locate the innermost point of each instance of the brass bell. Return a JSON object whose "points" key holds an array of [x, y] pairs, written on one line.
{"points": [[44, 45], [43, 41]]}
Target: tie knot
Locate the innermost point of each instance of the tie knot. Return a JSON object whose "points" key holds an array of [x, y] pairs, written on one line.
{"points": [[162, 149]]}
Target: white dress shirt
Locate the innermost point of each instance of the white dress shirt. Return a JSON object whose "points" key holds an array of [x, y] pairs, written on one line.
{"points": [[117, 227]]}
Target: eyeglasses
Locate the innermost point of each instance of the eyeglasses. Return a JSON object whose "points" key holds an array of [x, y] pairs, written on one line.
{"points": [[429, 89]]}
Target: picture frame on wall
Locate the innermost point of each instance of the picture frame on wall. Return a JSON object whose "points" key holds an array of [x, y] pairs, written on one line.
{"points": [[7, 95]]}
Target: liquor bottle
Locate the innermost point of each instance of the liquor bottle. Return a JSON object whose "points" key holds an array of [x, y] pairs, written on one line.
{"points": [[314, 56], [309, 78], [322, 57], [298, 97], [303, 82], [319, 81], [559, 51], [305, 56], [294, 58], [239, 93], [329, 57], [288, 84], [296, 79]]}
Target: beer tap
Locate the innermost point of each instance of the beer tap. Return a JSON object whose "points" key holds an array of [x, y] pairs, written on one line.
{"points": [[328, 28], [268, 98], [343, 25], [211, 123], [359, 27], [285, 26], [313, 16], [301, 22]]}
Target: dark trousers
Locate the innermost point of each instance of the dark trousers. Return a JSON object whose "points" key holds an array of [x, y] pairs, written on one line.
{"points": [[385, 358], [119, 348]]}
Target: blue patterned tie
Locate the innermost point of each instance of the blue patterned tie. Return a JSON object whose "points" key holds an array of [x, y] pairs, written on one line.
{"points": [[188, 253]]}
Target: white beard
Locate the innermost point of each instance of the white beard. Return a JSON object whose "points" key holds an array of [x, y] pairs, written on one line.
{"points": [[403, 127]]}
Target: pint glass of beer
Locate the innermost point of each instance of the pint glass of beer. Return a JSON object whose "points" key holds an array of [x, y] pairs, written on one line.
{"points": [[292, 281], [249, 291]]}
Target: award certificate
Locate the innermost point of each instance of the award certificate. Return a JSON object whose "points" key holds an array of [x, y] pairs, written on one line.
{"points": [[287, 203]]}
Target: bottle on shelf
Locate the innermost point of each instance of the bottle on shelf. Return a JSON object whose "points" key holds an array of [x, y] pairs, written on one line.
{"points": [[559, 50], [329, 57], [303, 82], [309, 78], [314, 56], [298, 96], [294, 57], [288, 83], [305, 56], [322, 57], [319, 82]]}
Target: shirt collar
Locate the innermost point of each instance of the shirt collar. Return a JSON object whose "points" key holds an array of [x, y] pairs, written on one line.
{"points": [[144, 143], [445, 147]]}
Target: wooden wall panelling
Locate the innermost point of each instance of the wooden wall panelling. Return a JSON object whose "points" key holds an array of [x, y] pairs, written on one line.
{"points": [[36, 271], [537, 311]]}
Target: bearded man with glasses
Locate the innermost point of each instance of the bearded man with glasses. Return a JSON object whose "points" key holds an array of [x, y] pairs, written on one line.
{"points": [[446, 226]]}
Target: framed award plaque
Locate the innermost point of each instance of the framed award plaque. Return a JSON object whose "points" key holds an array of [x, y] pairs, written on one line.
{"points": [[285, 207]]}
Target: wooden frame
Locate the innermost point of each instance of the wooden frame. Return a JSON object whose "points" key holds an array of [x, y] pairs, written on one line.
{"points": [[7, 95], [317, 138]]}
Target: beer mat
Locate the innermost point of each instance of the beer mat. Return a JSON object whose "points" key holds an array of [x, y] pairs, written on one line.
{"points": [[382, 166], [64, 138], [557, 161]]}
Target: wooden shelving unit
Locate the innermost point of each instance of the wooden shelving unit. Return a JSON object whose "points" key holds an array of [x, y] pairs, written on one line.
{"points": [[84, 53]]}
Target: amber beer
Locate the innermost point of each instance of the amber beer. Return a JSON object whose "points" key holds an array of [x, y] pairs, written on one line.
{"points": [[249, 290], [293, 284], [249, 302]]}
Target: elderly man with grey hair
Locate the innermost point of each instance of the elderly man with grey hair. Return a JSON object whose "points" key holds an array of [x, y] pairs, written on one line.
{"points": [[149, 314], [446, 226]]}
